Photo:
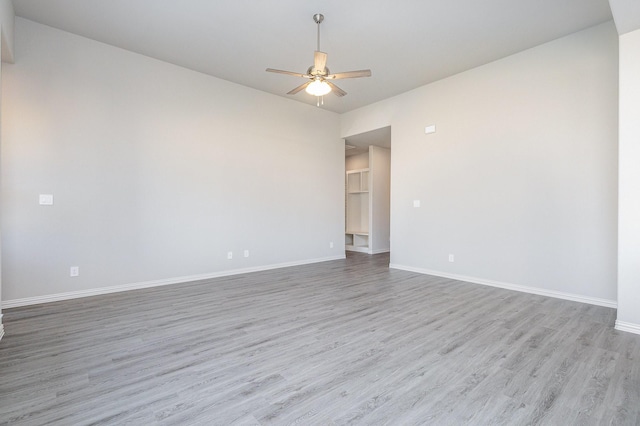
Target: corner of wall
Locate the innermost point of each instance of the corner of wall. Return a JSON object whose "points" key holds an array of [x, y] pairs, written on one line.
{"points": [[7, 18], [628, 182], [628, 327]]}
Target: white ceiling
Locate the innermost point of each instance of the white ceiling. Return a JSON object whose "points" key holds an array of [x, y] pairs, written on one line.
{"points": [[406, 43], [379, 137]]}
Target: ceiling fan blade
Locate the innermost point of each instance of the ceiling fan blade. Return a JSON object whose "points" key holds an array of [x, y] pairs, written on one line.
{"points": [[350, 74], [319, 61], [336, 90], [295, 74], [299, 88]]}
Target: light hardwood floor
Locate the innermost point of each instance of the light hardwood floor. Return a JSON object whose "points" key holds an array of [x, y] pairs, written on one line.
{"points": [[341, 342]]}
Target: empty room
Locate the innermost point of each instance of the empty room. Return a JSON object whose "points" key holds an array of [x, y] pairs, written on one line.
{"points": [[320, 213]]}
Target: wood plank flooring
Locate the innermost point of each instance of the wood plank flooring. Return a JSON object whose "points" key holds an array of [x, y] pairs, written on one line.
{"points": [[341, 342]]}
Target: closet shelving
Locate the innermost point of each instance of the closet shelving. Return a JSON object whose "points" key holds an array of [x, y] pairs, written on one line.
{"points": [[357, 219], [367, 200]]}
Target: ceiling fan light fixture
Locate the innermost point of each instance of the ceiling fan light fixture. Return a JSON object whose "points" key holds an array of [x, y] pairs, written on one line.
{"points": [[319, 75], [318, 88]]}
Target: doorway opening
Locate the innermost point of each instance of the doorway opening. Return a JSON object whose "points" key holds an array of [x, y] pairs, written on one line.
{"points": [[368, 191]]}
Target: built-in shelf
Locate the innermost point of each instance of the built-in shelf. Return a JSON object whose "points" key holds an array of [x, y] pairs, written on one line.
{"points": [[357, 220], [357, 241], [367, 200]]}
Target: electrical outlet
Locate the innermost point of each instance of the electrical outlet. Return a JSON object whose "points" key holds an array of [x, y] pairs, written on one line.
{"points": [[74, 271], [229, 255], [331, 244], [451, 258], [246, 253]]}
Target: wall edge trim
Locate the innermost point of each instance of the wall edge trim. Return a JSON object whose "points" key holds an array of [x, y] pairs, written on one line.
{"points": [[515, 287], [379, 251], [629, 327], [27, 301]]}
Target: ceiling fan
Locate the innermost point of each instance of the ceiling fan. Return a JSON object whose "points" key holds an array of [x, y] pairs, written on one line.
{"points": [[318, 74]]}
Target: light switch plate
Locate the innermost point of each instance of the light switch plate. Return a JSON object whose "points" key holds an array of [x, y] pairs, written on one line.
{"points": [[430, 129], [46, 199], [416, 203]]}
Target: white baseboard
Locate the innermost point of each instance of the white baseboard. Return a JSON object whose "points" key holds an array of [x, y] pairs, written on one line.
{"points": [[365, 250], [146, 284], [357, 249], [628, 327], [384, 250], [524, 289]]}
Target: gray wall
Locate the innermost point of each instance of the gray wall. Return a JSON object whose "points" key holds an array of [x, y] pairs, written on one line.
{"points": [[156, 171], [519, 181]]}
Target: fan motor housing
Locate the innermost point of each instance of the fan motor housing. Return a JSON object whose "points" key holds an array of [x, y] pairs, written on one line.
{"points": [[323, 72]]}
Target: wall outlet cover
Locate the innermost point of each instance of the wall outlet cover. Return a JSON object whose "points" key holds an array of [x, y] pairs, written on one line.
{"points": [[46, 199]]}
